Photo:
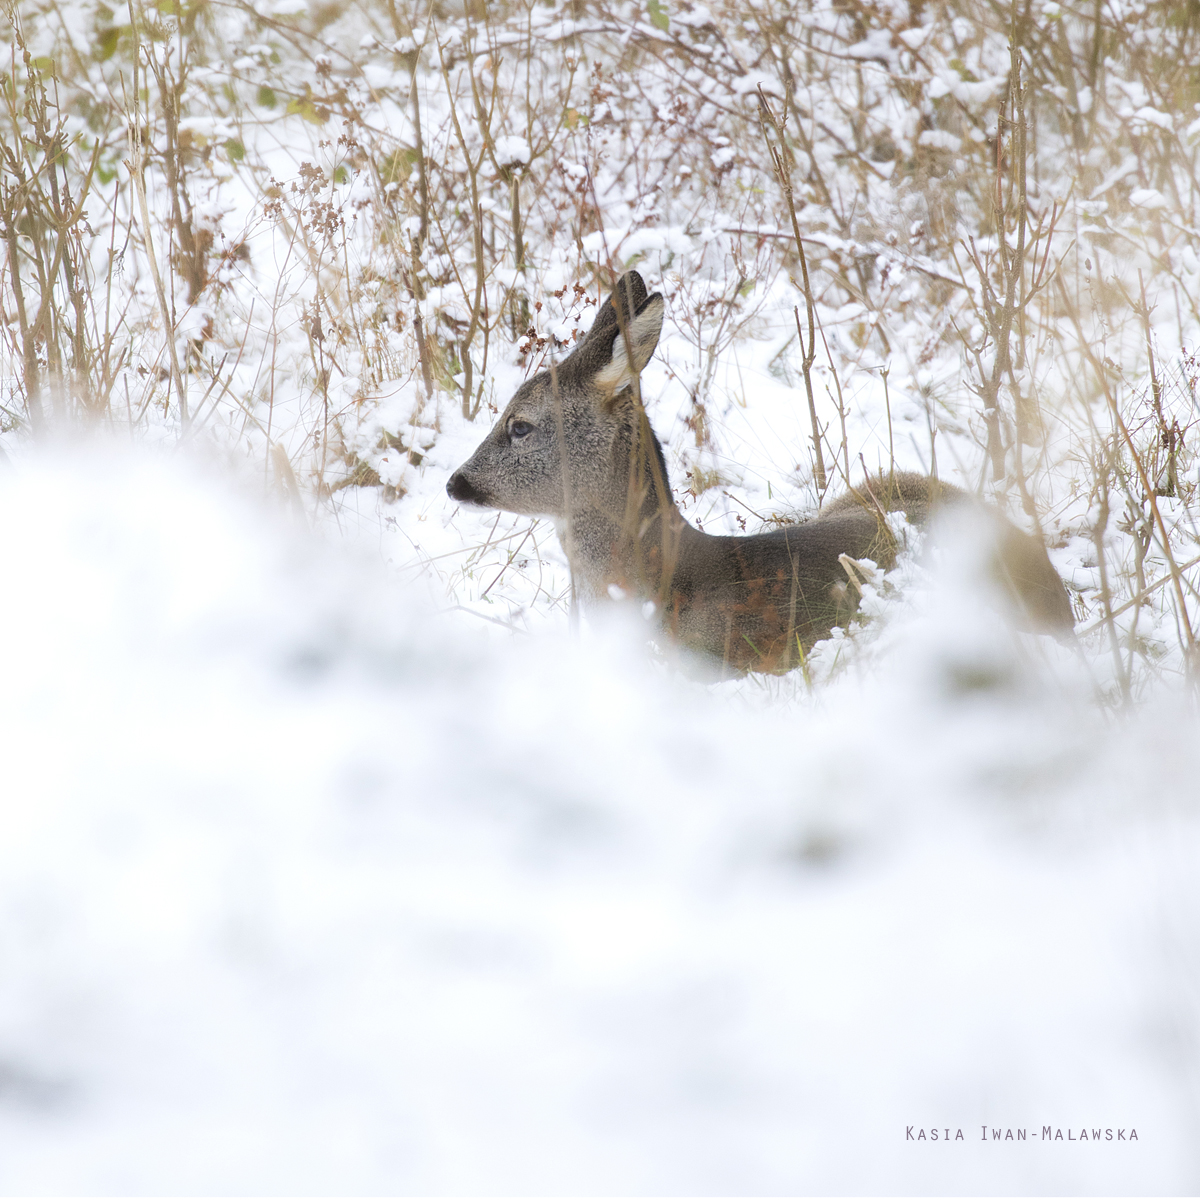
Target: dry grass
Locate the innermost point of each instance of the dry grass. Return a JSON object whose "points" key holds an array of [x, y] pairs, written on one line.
{"points": [[239, 225]]}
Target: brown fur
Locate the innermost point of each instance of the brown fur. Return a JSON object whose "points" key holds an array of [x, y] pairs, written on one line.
{"points": [[575, 444]]}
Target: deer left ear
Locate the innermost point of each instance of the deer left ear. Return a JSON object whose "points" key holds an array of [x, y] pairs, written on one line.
{"points": [[633, 346]]}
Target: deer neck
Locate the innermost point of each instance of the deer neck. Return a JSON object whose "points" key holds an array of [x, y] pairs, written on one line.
{"points": [[627, 541]]}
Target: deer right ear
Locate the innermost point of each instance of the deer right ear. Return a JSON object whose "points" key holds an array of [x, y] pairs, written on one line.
{"points": [[638, 339]]}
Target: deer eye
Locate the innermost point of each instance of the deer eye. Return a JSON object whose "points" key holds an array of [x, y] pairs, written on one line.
{"points": [[519, 429]]}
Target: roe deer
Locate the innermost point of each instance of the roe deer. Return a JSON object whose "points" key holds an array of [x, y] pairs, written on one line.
{"points": [[575, 444]]}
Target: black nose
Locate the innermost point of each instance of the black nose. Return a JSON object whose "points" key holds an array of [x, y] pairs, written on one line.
{"points": [[460, 488]]}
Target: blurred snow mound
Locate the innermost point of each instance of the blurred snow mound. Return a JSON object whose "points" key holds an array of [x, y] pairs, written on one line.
{"points": [[307, 887]]}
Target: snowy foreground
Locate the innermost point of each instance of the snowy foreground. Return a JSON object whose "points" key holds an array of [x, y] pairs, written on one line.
{"points": [[308, 887]]}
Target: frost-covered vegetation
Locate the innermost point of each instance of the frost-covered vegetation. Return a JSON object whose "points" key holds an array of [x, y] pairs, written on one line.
{"points": [[367, 222], [343, 859]]}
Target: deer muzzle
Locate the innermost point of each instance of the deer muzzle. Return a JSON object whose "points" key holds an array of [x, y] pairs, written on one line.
{"points": [[459, 487]]}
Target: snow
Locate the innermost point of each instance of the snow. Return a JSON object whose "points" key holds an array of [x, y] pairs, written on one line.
{"points": [[877, 44], [1147, 198], [1153, 116], [341, 856], [309, 887], [940, 140], [512, 151], [914, 38]]}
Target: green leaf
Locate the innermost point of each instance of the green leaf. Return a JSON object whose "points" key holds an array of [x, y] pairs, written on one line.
{"points": [[235, 150], [311, 112], [397, 166], [964, 72], [266, 97], [658, 17], [341, 175], [106, 44]]}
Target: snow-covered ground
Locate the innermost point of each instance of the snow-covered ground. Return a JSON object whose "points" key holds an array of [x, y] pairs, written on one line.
{"points": [[308, 886], [336, 857]]}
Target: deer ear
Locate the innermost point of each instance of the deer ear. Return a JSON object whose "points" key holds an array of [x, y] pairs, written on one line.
{"points": [[639, 338]]}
